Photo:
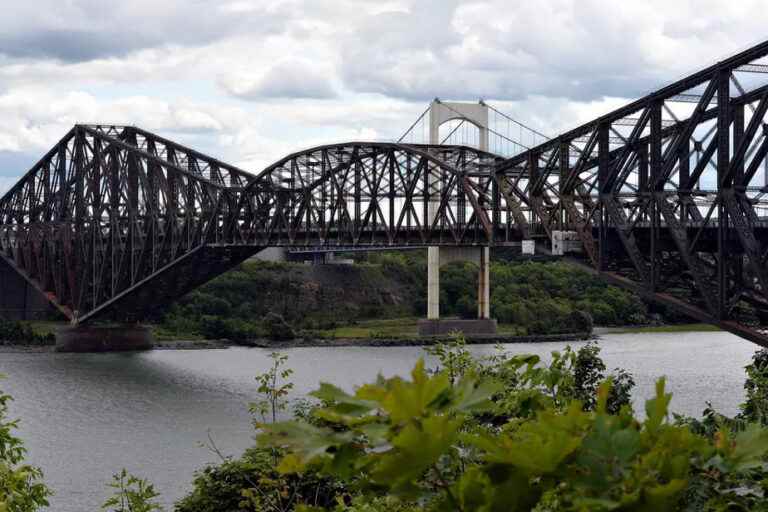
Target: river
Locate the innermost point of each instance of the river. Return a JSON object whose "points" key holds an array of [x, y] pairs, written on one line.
{"points": [[85, 417]]}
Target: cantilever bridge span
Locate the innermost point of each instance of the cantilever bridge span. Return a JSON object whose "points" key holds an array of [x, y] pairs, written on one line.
{"points": [[666, 195]]}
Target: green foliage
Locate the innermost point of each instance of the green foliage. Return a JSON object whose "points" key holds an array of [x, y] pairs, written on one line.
{"points": [[455, 359], [233, 329], [20, 333], [277, 328], [220, 487], [419, 441], [538, 298], [755, 408], [242, 304], [531, 387], [376, 504], [393, 431], [273, 389], [21, 485], [251, 483], [550, 298], [132, 494]]}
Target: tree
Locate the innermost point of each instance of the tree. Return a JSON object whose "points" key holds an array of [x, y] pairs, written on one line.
{"points": [[132, 494], [755, 408], [21, 485], [273, 389]]}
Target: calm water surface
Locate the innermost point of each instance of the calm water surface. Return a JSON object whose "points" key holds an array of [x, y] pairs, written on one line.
{"points": [[85, 417]]}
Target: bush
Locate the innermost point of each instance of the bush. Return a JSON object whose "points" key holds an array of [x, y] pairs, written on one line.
{"points": [[756, 387], [424, 441], [504, 313], [21, 485], [277, 328], [580, 321], [201, 303], [252, 483], [19, 333], [233, 329], [466, 307]]}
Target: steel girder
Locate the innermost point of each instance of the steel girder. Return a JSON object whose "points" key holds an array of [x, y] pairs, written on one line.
{"points": [[115, 222], [110, 211], [378, 194], [667, 199]]}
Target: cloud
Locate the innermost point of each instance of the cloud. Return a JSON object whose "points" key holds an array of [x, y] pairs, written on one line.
{"points": [[288, 79], [83, 30], [562, 48]]}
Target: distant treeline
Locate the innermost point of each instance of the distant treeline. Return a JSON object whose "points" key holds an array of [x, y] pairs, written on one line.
{"points": [[262, 299], [539, 297]]}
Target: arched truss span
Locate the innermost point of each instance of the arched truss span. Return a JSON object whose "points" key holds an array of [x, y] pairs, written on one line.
{"points": [[116, 221], [377, 194]]}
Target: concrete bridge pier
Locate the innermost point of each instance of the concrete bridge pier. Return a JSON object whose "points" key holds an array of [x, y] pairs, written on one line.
{"points": [[434, 325], [99, 338], [441, 112], [484, 284]]}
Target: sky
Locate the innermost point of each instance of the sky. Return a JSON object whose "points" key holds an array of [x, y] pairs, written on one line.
{"points": [[249, 81]]}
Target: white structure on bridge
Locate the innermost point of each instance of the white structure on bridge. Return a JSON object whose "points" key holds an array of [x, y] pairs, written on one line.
{"points": [[477, 114]]}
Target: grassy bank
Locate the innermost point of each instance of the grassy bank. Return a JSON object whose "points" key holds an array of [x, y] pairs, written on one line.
{"points": [[393, 328], [665, 328]]}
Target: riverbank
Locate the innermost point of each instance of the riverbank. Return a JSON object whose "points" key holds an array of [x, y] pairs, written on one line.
{"points": [[401, 332], [417, 341], [651, 329], [487, 339]]}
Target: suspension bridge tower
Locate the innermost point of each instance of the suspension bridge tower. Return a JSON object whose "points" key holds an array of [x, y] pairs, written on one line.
{"points": [[477, 115]]}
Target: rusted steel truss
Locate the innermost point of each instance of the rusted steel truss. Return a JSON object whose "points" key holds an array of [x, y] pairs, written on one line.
{"points": [[667, 196], [115, 221]]}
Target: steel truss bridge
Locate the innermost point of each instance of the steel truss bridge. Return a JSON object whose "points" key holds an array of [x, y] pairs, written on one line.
{"points": [[667, 196]]}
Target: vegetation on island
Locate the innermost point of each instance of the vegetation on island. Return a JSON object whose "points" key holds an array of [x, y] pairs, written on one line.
{"points": [[281, 300], [381, 296], [24, 333], [504, 432]]}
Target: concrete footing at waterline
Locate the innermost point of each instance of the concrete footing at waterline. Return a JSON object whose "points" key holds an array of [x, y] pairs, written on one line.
{"points": [[449, 325], [113, 338]]}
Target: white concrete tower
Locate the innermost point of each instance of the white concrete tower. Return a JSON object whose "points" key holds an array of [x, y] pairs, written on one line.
{"points": [[477, 114]]}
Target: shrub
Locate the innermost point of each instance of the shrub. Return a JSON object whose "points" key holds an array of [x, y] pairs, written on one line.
{"points": [[233, 329], [580, 321], [418, 440], [131, 494], [253, 484], [201, 303], [277, 328], [20, 333], [755, 408], [21, 485], [466, 307]]}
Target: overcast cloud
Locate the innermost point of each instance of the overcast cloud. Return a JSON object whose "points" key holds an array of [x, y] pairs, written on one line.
{"points": [[249, 81]]}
